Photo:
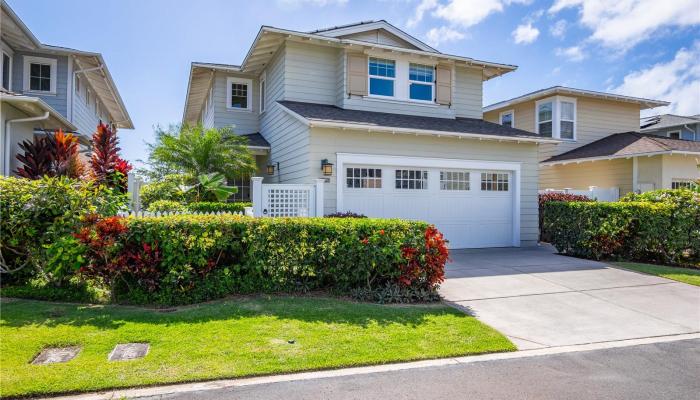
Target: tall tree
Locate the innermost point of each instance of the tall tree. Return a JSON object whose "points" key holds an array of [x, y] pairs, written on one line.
{"points": [[195, 151]]}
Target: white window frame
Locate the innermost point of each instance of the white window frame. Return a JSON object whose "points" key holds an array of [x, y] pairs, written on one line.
{"points": [[512, 117], [393, 80], [249, 93], [77, 85], [52, 62], [431, 83], [262, 88], [375, 178], [556, 116], [678, 131], [424, 178], [2, 71], [685, 183]]}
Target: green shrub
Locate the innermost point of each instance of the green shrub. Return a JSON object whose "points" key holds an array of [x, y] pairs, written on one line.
{"points": [[73, 290], [661, 232], [170, 188], [207, 207], [166, 205], [36, 213], [203, 257]]}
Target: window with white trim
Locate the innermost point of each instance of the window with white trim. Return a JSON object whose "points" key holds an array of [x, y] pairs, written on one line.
{"points": [[421, 82], [382, 74], [454, 180], [40, 74], [682, 184], [239, 94], [411, 179], [555, 117], [674, 134], [506, 118], [364, 178], [494, 181], [6, 70], [262, 92]]}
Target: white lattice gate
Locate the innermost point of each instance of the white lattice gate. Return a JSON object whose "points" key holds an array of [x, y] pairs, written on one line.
{"points": [[287, 200]]}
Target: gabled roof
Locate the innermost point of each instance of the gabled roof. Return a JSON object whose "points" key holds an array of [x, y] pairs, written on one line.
{"points": [[666, 121], [92, 65], [562, 90], [366, 26], [323, 115], [257, 140], [625, 145]]}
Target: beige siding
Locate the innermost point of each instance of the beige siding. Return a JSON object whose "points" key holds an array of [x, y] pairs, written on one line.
{"points": [[468, 92], [523, 114], [380, 36], [650, 171], [326, 142], [681, 167], [604, 174]]}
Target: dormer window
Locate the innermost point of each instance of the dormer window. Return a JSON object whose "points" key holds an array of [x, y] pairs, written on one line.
{"points": [[506, 118], [421, 82], [40, 74], [238, 94], [382, 73], [556, 117]]}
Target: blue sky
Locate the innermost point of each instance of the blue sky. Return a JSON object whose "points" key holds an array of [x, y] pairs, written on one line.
{"points": [[647, 48]]}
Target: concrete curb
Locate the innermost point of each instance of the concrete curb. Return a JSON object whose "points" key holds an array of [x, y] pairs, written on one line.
{"points": [[229, 383]]}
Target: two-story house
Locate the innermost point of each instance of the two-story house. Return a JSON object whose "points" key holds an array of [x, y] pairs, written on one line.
{"points": [[46, 87], [672, 126], [601, 143], [394, 125]]}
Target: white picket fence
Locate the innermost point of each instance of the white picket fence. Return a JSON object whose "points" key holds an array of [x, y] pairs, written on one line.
{"points": [[593, 192], [140, 214]]}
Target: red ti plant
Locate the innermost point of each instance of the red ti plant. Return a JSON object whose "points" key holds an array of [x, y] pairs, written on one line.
{"points": [[37, 158], [65, 152], [105, 153]]}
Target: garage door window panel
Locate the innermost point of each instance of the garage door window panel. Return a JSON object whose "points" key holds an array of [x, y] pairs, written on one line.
{"points": [[494, 182], [364, 178], [454, 180], [411, 179]]}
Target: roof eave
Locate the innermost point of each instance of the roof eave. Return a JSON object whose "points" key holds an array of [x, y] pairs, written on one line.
{"points": [[616, 157], [42, 104]]}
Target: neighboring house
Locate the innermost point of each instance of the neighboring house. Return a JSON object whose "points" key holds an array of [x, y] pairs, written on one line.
{"points": [[47, 87], [397, 124], [600, 141], [672, 126]]}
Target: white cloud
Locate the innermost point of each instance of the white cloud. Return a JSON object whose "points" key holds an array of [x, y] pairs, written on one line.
{"points": [[558, 29], [573, 53], [423, 7], [317, 3], [621, 24], [443, 34], [467, 13], [677, 81], [525, 33]]}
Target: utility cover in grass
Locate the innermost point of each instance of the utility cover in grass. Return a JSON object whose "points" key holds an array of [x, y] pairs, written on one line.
{"points": [[51, 355], [128, 351]]}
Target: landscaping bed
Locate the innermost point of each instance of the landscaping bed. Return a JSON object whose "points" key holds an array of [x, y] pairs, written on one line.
{"points": [[225, 339]]}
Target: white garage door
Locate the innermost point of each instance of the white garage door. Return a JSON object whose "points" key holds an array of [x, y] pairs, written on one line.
{"points": [[473, 208]]}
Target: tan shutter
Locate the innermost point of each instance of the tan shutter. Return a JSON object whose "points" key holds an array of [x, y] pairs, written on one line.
{"points": [[357, 74], [443, 84]]}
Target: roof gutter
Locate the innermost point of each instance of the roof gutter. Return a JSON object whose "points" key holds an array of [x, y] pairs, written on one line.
{"points": [[605, 158]]}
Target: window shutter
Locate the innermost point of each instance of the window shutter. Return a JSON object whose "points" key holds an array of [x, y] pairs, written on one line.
{"points": [[443, 84], [357, 74]]}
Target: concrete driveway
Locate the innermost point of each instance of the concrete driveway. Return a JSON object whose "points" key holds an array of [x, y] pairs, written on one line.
{"points": [[540, 299]]}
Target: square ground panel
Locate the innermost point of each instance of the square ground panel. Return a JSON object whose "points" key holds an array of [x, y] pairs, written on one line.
{"points": [[128, 351], [51, 355]]}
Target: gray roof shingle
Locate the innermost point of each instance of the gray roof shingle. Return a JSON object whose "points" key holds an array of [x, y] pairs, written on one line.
{"points": [[257, 140], [666, 121], [330, 113], [627, 144]]}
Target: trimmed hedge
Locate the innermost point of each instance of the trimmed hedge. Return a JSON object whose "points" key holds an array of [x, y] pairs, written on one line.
{"points": [[191, 258], [661, 232], [544, 198], [211, 206]]}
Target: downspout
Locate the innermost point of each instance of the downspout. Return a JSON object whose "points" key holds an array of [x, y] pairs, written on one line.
{"points": [[6, 139]]}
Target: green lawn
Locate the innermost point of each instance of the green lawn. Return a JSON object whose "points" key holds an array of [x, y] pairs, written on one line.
{"points": [[232, 338], [685, 275]]}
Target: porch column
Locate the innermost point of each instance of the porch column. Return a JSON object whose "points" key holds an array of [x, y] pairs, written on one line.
{"points": [[257, 195], [319, 197], [635, 175]]}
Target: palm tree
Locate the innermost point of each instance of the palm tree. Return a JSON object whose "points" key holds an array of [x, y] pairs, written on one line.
{"points": [[195, 151]]}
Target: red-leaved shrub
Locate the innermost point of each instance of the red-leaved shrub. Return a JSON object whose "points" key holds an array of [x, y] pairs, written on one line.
{"points": [[425, 267]]}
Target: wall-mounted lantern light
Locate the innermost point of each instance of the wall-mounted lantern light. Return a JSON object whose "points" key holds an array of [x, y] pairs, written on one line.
{"points": [[271, 168], [326, 167]]}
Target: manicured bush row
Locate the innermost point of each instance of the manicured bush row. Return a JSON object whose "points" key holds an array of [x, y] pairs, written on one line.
{"points": [[198, 207], [661, 232], [190, 258], [547, 197]]}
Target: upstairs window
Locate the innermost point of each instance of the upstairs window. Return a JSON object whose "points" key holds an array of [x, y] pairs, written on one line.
{"points": [[238, 93], [6, 70], [421, 82], [382, 74], [40, 74], [507, 118], [556, 117], [674, 134]]}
